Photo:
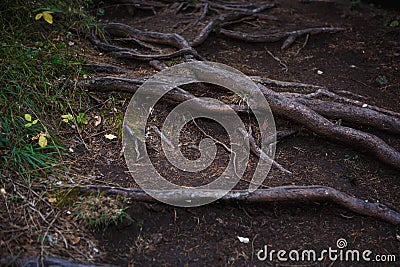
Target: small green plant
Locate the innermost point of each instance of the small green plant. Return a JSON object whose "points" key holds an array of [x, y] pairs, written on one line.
{"points": [[241, 98], [37, 64], [353, 158], [100, 211], [354, 3], [79, 119], [31, 122], [46, 15], [381, 80]]}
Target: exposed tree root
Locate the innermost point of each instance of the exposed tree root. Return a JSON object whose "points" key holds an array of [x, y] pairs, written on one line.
{"points": [[203, 15], [235, 13], [263, 156], [307, 112], [224, 19], [307, 117], [275, 194], [274, 37], [130, 33]]}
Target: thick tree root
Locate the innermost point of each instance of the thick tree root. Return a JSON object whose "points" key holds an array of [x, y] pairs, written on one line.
{"points": [[275, 194], [235, 14], [302, 110], [274, 37], [307, 117], [125, 31], [225, 19]]}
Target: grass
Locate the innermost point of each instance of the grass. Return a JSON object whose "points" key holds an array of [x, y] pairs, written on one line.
{"points": [[100, 211], [38, 61]]}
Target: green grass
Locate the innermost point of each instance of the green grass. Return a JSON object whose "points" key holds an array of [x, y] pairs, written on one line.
{"points": [[100, 211], [38, 61]]}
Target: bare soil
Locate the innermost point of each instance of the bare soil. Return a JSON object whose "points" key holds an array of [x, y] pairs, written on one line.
{"points": [[162, 235]]}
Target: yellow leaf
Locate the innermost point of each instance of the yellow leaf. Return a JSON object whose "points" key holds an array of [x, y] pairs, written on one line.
{"points": [[28, 117], [67, 117], [110, 136], [42, 140], [34, 122], [48, 17], [52, 199], [38, 16]]}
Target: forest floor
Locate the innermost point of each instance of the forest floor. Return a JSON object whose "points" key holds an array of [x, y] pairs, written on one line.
{"points": [[364, 59], [208, 236]]}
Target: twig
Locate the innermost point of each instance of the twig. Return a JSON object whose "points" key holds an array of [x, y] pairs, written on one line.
{"points": [[285, 68], [304, 45], [290, 36], [262, 155]]}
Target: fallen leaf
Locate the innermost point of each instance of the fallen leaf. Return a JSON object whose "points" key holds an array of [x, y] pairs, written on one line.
{"points": [[74, 239], [52, 199], [28, 117], [42, 140], [243, 239], [38, 16], [97, 120], [48, 17], [110, 136]]}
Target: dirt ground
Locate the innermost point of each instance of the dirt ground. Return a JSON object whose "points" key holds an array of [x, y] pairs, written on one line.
{"points": [[162, 235]]}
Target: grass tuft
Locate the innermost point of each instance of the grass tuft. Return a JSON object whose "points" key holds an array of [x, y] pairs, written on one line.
{"points": [[38, 61]]}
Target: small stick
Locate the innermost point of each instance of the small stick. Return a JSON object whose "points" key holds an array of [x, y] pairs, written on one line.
{"points": [[261, 154], [285, 68], [304, 45]]}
